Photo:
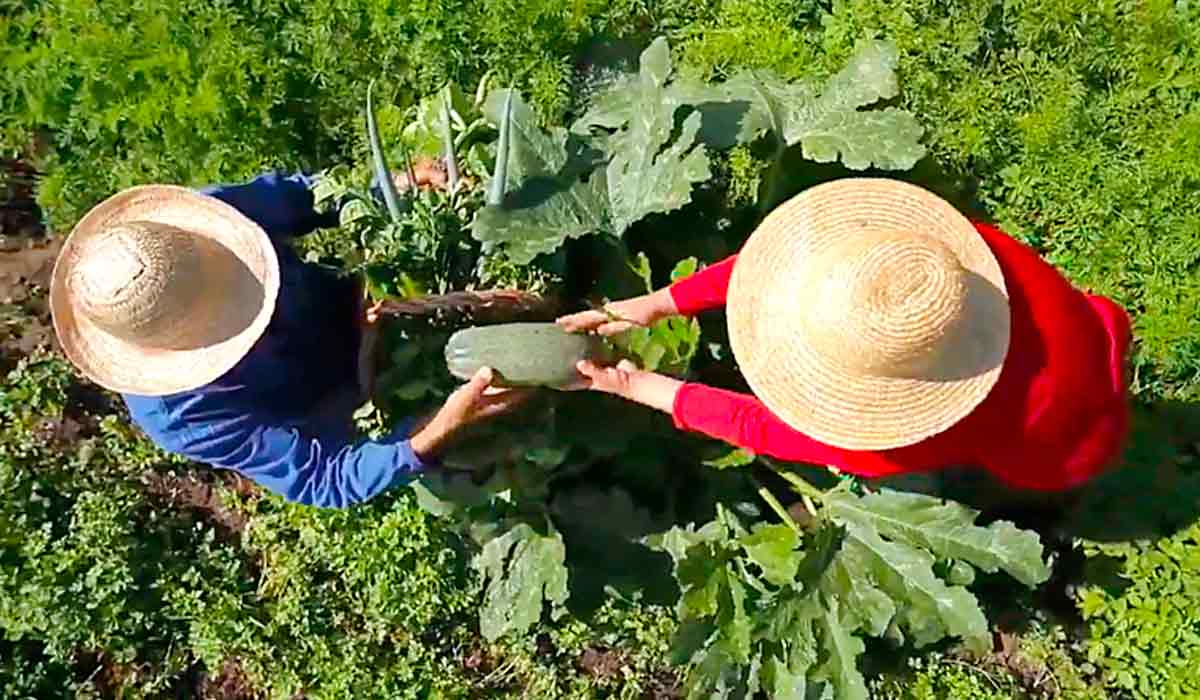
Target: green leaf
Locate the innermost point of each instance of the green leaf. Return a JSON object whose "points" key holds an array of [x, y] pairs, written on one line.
{"points": [[829, 123], [732, 459], [648, 176], [678, 540], [928, 609], [866, 606], [842, 649], [734, 623], [521, 570], [701, 576], [527, 233], [383, 173], [947, 529], [792, 627], [773, 549], [647, 172], [690, 639], [549, 204]]}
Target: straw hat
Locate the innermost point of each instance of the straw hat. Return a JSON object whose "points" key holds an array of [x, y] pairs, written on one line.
{"points": [[160, 290], [868, 314]]}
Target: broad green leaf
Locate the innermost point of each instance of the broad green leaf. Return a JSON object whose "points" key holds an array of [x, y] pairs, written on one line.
{"points": [[648, 176], [781, 682], [734, 623], [701, 575], [678, 540], [947, 529], [648, 172], [827, 122], [866, 607], [547, 202], [577, 211], [521, 570], [691, 637], [929, 609], [773, 549], [842, 649], [821, 549], [715, 676], [785, 672]]}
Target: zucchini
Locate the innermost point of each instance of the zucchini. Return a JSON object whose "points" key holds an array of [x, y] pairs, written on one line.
{"points": [[523, 354]]}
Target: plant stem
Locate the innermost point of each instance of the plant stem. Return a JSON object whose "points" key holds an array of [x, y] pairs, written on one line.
{"points": [[798, 483], [776, 506]]}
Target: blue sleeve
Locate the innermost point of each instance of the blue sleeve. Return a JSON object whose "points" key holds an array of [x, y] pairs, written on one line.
{"points": [[328, 471], [281, 204]]}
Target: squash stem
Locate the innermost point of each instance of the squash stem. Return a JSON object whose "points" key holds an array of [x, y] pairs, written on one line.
{"points": [[776, 506]]}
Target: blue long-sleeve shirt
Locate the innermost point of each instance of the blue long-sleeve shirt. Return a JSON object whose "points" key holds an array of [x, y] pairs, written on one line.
{"points": [[268, 418]]}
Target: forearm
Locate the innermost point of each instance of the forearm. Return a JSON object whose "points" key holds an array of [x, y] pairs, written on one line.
{"points": [[702, 291], [657, 391], [742, 420]]}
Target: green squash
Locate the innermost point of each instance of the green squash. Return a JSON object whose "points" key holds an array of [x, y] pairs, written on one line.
{"points": [[523, 354]]}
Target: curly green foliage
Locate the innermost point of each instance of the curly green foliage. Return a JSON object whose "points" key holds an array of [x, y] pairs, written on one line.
{"points": [[937, 678], [194, 92], [89, 565], [1145, 632], [342, 602]]}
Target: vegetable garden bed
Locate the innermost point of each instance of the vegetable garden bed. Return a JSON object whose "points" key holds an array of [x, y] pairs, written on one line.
{"points": [[1076, 131]]}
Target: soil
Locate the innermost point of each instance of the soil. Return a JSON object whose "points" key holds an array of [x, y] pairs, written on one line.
{"points": [[25, 323], [104, 673], [231, 683], [196, 494], [602, 664]]}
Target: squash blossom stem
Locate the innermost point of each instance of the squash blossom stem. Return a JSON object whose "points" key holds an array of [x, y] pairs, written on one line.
{"points": [[776, 506]]}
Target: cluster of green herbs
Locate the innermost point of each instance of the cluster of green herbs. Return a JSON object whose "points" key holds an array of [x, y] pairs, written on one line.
{"points": [[111, 587]]}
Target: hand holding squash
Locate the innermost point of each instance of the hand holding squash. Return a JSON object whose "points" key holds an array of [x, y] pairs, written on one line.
{"points": [[627, 381], [471, 403], [621, 316]]}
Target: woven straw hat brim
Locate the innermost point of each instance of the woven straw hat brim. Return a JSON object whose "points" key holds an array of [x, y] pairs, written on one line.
{"points": [[817, 396], [127, 367]]}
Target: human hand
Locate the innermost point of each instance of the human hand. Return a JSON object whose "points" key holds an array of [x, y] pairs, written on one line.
{"points": [[620, 316], [471, 403], [629, 382]]}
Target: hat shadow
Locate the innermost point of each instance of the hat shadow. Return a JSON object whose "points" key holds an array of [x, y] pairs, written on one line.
{"points": [[976, 348], [242, 297]]}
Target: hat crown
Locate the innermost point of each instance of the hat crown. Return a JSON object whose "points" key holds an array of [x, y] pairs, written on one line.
{"points": [[887, 304], [137, 280]]}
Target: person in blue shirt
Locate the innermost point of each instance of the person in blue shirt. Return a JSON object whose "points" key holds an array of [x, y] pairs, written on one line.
{"points": [[231, 351]]}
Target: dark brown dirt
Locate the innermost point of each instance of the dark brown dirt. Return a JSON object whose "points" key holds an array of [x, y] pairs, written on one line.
{"points": [[104, 673], [196, 494], [25, 323], [230, 683], [663, 685], [602, 664]]}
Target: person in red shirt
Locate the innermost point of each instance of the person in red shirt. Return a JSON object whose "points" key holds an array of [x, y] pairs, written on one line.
{"points": [[883, 334]]}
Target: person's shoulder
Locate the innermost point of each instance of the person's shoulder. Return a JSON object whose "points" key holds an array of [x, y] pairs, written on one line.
{"points": [[173, 420]]}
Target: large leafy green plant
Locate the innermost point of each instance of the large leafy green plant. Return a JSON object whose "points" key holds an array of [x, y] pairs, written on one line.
{"points": [[645, 143], [782, 607]]}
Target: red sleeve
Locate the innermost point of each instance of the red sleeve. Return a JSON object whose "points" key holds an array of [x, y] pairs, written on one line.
{"points": [[704, 290], [743, 420]]}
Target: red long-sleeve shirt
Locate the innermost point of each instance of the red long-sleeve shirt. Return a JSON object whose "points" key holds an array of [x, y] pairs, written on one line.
{"points": [[1057, 416]]}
